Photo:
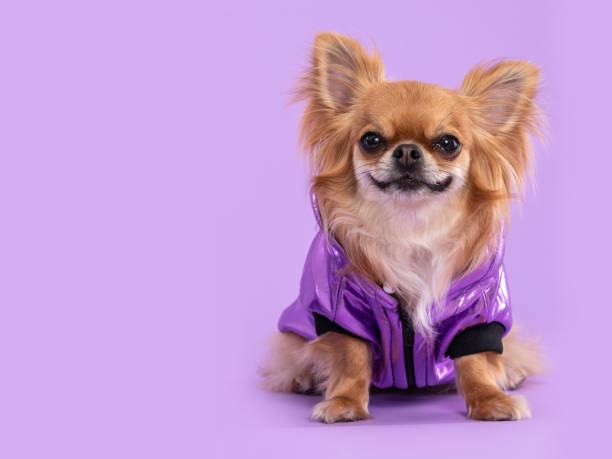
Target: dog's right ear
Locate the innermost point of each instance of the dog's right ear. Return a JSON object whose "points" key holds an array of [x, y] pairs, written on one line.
{"points": [[341, 69]]}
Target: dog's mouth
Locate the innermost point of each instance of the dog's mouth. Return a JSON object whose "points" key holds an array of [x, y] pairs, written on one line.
{"points": [[407, 182]]}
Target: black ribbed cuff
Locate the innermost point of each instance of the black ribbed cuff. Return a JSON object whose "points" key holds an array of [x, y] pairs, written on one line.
{"points": [[479, 338], [324, 325]]}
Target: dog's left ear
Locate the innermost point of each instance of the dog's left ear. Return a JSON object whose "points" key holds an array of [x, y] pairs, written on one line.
{"points": [[500, 99], [501, 96]]}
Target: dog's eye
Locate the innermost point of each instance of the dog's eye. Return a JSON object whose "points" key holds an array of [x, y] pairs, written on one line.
{"points": [[447, 144], [371, 142]]}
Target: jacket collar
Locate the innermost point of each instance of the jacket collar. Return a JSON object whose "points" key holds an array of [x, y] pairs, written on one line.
{"points": [[459, 285]]}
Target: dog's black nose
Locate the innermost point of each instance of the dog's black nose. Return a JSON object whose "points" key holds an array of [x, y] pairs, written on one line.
{"points": [[408, 155]]}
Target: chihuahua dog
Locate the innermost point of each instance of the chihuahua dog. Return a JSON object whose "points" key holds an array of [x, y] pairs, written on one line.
{"points": [[404, 284]]}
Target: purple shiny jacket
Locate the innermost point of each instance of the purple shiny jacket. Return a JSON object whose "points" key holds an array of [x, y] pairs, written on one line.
{"points": [[473, 318]]}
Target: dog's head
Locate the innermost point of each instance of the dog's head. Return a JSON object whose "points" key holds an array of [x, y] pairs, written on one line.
{"points": [[407, 143]]}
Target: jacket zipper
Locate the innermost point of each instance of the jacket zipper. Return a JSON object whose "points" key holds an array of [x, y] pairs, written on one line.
{"points": [[408, 337]]}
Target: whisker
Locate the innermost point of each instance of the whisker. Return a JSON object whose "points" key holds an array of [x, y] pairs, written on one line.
{"points": [[367, 172], [367, 164], [456, 168]]}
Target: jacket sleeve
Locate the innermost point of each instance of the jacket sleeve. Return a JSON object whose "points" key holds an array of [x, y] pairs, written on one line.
{"points": [[482, 324], [317, 292]]}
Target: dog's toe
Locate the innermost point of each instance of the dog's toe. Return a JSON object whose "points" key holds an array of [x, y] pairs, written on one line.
{"points": [[499, 407], [339, 409]]}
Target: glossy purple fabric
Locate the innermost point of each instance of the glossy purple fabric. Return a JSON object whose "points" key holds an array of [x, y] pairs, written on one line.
{"points": [[363, 308]]}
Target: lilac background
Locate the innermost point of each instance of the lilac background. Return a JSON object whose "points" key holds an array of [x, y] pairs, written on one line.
{"points": [[155, 220]]}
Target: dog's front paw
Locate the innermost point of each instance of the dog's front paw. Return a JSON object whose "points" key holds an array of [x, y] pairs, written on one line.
{"points": [[499, 407], [339, 409]]}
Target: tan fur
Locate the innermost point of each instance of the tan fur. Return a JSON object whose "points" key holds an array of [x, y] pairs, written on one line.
{"points": [[476, 377], [481, 379], [521, 357], [335, 364], [346, 365], [287, 368], [414, 243]]}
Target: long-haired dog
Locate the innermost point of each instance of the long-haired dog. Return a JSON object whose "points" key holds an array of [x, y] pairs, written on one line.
{"points": [[404, 284]]}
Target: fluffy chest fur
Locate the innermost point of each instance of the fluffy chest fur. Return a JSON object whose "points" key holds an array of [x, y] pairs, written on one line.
{"points": [[410, 250]]}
